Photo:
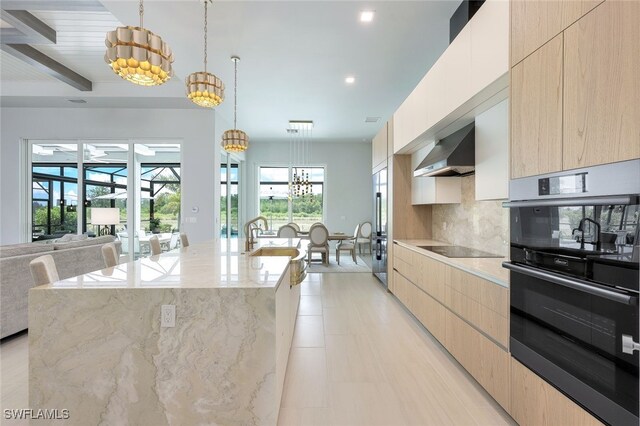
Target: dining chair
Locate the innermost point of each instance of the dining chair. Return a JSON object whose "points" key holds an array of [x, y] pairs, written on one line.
{"points": [[294, 226], [124, 239], [154, 243], [184, 241], [319, 242], [43, 270], [110, 255], [287, 231], [348, 245], [173, 243], [364, 238]]}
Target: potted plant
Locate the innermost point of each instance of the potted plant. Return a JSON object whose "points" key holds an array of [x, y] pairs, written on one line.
{"points": [[154, 225]]}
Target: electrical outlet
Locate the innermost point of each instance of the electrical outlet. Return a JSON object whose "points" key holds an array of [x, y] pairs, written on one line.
{"points": [[168, 316]]}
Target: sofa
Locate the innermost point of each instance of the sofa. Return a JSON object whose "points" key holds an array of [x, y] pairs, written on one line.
{"points": [[73, 256]]}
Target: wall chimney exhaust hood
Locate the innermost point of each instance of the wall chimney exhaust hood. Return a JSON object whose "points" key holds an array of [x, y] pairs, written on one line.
{"points": [[454, 155]]}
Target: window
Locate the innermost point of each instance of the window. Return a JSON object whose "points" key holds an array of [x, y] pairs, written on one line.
{"points": [[160, 197], [233, 219], [60, 204], [54, 200], [280, 208]]}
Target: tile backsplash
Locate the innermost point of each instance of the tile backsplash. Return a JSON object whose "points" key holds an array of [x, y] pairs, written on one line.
{"points": [[483, 225]]}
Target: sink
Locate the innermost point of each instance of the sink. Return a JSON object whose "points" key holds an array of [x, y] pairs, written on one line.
{"points": [[297, 264], [276, 251]]}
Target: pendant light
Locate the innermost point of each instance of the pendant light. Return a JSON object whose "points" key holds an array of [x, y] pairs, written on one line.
{"points": [[235, 140], [204, 88], [138, 55]]}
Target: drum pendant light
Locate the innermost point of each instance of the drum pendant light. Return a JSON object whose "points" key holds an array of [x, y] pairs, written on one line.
{"points": [[138, 55], [235, 140], [203, 88]]}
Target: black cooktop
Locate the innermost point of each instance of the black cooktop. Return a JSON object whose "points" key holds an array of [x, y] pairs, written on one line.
{"points": [[458, 251]]}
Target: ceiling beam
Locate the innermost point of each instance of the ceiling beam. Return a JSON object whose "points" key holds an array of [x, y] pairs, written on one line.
{"points": [[59, 5], [47, 65], [35, 31]]}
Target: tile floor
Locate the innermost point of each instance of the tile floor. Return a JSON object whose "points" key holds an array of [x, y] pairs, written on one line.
{"points": [[358, 358]]}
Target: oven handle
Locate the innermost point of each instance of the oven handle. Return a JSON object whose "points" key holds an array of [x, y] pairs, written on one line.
{"points": [[575, 284], [583, 201]]}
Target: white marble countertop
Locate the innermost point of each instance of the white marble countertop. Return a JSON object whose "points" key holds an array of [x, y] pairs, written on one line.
{"points": [[201, 265], [488, 268]]}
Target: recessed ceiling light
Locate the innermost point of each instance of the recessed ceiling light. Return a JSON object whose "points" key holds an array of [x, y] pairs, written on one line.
{"points": [[350, 80], [367, 15]]}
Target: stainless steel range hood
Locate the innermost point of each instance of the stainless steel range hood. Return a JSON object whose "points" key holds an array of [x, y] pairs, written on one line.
{"points": [[454, 155]]}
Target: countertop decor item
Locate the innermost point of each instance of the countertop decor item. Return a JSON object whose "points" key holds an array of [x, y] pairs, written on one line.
{"points": [[138, 55], [203, 88], [235, 140]]}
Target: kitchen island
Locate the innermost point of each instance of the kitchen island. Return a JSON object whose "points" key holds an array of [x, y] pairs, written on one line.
{"points": [[97, 347]]}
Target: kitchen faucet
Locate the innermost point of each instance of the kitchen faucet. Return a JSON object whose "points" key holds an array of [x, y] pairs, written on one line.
{"points": [[249, 229], [580, 228]]}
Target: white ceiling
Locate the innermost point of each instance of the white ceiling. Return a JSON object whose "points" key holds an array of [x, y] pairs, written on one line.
{"points": [[295, 56]]}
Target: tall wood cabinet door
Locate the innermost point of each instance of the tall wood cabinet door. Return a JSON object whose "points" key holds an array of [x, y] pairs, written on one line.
{"points": [[602, 86], [534, 22], [536, 112]]}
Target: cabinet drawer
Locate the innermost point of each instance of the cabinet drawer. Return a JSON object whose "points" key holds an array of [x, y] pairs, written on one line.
{"points": [[535, 402], [483, 359], [432, 277], [486, 293], [426, 309], [482, 318]]}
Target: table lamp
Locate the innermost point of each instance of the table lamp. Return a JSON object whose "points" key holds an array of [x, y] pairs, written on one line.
{"points": [[106, 217]]}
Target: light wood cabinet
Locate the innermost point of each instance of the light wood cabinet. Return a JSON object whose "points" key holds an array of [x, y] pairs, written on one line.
{"points": [[535, 402], [379, 149], [454, 305], [481, 303], [483, 359], [536, 112], [535, 22], [601, 90], [408, 221], [432, 277]]}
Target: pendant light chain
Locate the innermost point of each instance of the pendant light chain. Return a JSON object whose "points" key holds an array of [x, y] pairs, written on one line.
{"points": [[141, 9], [235, 94], [205, 36]]}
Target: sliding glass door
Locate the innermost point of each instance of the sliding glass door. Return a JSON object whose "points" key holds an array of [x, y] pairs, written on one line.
{"points": [[140, 180]]}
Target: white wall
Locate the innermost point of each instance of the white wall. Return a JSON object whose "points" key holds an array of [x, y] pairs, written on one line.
{"points": [[195, 128], [348, 181]]}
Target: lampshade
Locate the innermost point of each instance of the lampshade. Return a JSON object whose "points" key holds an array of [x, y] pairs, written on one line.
{"points": [[105, 216], [138, 55]]}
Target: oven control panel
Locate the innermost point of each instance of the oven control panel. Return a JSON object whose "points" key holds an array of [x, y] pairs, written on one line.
{"points": [[567, 184]]}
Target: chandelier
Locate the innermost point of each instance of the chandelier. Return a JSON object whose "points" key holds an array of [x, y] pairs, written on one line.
{"points": [[138, 55], [204, 88], [301, 134], [235, 140]]}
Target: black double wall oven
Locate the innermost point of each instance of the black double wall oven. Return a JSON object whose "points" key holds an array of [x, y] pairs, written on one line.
{"points": [[574, 284]]}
